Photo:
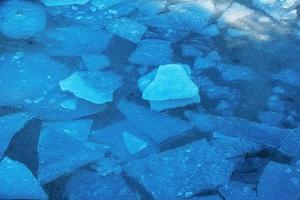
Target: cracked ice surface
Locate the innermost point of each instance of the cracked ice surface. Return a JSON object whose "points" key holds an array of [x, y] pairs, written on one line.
{"points": [[150, 99]]}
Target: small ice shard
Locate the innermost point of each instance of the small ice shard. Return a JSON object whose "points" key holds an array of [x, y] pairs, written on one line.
{"points": [[17, 182], [279, 182], [147, 120], [127, 28], [211, 31], [181, 172], [133, 143], [60, 154], [21, 19], [152, 52], [114, 136], [74, 41], [64, 2], [90, 185], [234, 13], [95, 62], [104, 4], [9, 126], [95, 87], [36, 73], [79, 129], [171, 82]]}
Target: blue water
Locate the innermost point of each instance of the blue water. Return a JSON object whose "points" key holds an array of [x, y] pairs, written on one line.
{"points": [[150, 99]]}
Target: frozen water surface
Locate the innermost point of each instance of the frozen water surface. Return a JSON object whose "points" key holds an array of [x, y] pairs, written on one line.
{"points": [[150, 99]]}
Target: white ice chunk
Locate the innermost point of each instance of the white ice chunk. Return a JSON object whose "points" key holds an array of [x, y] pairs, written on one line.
{"points": [[96, 87], [171, 82]]}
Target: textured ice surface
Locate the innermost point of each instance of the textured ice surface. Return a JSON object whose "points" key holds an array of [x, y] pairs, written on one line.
{"points": [[17, 182], [149, 99], [95, 87], [172, 174], [21, 19], [9, 126]]}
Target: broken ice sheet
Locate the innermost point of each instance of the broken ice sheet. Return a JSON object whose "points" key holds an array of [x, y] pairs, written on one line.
{"points": [[160, 127], [95, 87], [171, 174], [17, 181], [90, 185], [68, 152], [21, 19], [125, 140], [36, 73], [127, 28], [74, 41], [279, 181], [9, 126], [152, 52]]}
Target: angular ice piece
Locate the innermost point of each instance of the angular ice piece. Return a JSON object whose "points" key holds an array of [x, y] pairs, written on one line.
{"points": [[288, 76], [276, 9], [104, 4], [64, 2], [236, 12], [17, 182], [28, 76], [291, 144], [74, 41], [90, 185], [190, 51], [171, 82], [127, 28], [152, 52], [120, 144], [79, 129], [210, 60], [238, 190], [21, 19], [60, 154], [235, 73], [9, 126], [271, 118], [133, 143], [96, 87], [159, 127], [233, 126], [212, 31], [279, 182], [151, 7], [59, 106], [232, 147], [194, 15], [181, 172], [95, 62]]}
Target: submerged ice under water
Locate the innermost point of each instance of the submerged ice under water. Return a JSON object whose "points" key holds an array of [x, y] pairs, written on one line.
{"points": [[150, 99]]}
